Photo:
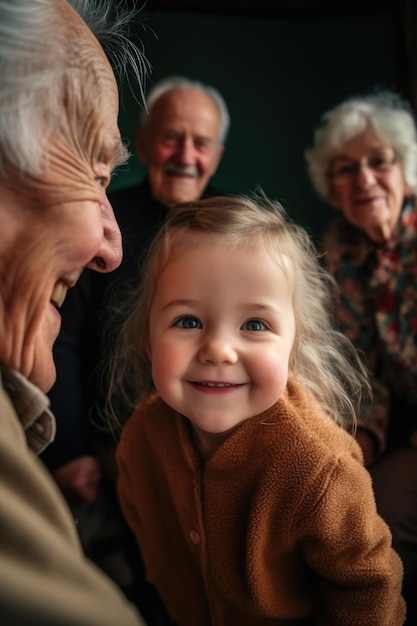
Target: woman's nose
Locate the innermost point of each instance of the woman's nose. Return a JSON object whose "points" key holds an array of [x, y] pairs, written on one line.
{"points": [[109, 255], [365, 176]]}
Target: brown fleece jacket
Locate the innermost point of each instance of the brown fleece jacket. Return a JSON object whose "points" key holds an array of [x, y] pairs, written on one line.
{"points": [[279, 526]]}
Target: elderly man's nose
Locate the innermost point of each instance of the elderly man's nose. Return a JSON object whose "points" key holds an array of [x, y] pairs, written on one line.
{"points": [[186, 151], [109, 255]]}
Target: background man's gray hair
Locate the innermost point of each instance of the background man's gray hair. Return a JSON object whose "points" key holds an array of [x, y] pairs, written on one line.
{"points": [[180, 82]]}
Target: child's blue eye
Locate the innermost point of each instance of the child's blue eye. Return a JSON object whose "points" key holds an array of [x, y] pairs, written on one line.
{"points": [[188, 322], [253, 325]]}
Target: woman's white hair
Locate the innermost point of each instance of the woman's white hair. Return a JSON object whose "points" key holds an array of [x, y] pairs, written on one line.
{"points": [[171, 83], [36, 59], [386, 112]]}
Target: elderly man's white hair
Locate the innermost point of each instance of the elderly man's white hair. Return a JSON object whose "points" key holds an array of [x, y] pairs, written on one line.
{"points": [[36, 60], [180, 82]]}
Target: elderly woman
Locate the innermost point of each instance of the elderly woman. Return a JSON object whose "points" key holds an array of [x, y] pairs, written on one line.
{"points": [[59, 142], [364, 163]]}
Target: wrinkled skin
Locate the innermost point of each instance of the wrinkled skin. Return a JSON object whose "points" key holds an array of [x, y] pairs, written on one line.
{"points": [[55, 224], [180, 145]]}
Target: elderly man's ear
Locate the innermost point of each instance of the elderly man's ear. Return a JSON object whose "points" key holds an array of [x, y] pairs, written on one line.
{"points": [[217, 159]]}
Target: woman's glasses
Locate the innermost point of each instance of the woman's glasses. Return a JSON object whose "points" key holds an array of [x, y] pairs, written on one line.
{"points": [[345, 171]]}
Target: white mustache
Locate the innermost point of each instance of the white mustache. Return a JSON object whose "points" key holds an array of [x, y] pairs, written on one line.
{"points": [[182, 170]]}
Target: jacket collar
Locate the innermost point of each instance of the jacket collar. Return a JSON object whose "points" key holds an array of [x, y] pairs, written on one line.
{"points": [[32, 409]]}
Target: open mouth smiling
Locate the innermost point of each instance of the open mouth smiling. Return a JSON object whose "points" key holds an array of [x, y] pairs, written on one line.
{"points": [[58, 295], [367, 200], [213, 387]]}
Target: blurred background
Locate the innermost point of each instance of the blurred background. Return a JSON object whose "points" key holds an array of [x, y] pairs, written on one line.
{"points": [[279, 65]]}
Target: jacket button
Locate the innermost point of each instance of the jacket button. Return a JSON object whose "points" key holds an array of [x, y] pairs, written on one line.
{"points": [[195, 537]]}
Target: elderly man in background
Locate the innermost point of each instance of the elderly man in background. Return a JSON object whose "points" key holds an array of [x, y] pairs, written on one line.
{"points": [[181, 140], [58, 147]]}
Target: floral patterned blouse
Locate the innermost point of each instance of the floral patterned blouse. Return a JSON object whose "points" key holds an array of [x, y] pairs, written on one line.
{"points": [[378, 310]]}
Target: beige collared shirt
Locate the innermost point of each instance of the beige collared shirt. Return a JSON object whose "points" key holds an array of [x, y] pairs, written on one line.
{"points": [[32, 408], [44, 577]]}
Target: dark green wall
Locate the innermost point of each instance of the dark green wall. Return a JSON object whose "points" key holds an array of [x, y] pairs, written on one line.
{"points": [[277, 77]]}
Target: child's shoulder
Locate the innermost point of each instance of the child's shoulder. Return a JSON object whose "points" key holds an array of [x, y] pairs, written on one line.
{"points": [[315, 428], [152, 409]]}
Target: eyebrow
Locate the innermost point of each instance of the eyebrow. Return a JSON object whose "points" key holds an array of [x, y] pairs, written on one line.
{"points": [[254, 306], [173, 303], [376, 150], [180, 133], [114, 151]]}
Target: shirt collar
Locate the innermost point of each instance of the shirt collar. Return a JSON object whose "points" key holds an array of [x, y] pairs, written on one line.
{"points": [[32, 408]]}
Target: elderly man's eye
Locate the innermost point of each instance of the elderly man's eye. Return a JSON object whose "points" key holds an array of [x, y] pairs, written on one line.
{"points": [[202, 144], [101, 181], [171, 138]]}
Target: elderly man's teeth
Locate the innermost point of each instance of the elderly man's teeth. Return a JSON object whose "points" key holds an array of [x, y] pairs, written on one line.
{"points": [[58, 294]]}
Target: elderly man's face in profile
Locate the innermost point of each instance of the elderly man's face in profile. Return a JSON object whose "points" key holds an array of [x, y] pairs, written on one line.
{"points": [[180, 145], [60, 220]]}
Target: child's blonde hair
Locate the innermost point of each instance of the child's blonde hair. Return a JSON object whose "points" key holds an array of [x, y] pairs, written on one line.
{"points": [[322, 359]]}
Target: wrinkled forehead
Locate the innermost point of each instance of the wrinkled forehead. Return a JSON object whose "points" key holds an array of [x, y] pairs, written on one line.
{"points": [[90, 94], [75, 104], [185, 105], [84, 52]]}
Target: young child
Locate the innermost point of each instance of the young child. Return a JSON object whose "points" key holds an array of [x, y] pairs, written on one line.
{"points": [[247, 496]]}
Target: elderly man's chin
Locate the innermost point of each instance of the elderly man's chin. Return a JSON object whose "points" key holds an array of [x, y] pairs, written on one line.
{"points": [[43, 372], [184, 190]]}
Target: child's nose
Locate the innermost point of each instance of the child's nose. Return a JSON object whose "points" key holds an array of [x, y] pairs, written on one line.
{"points": [[217, 350]]}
